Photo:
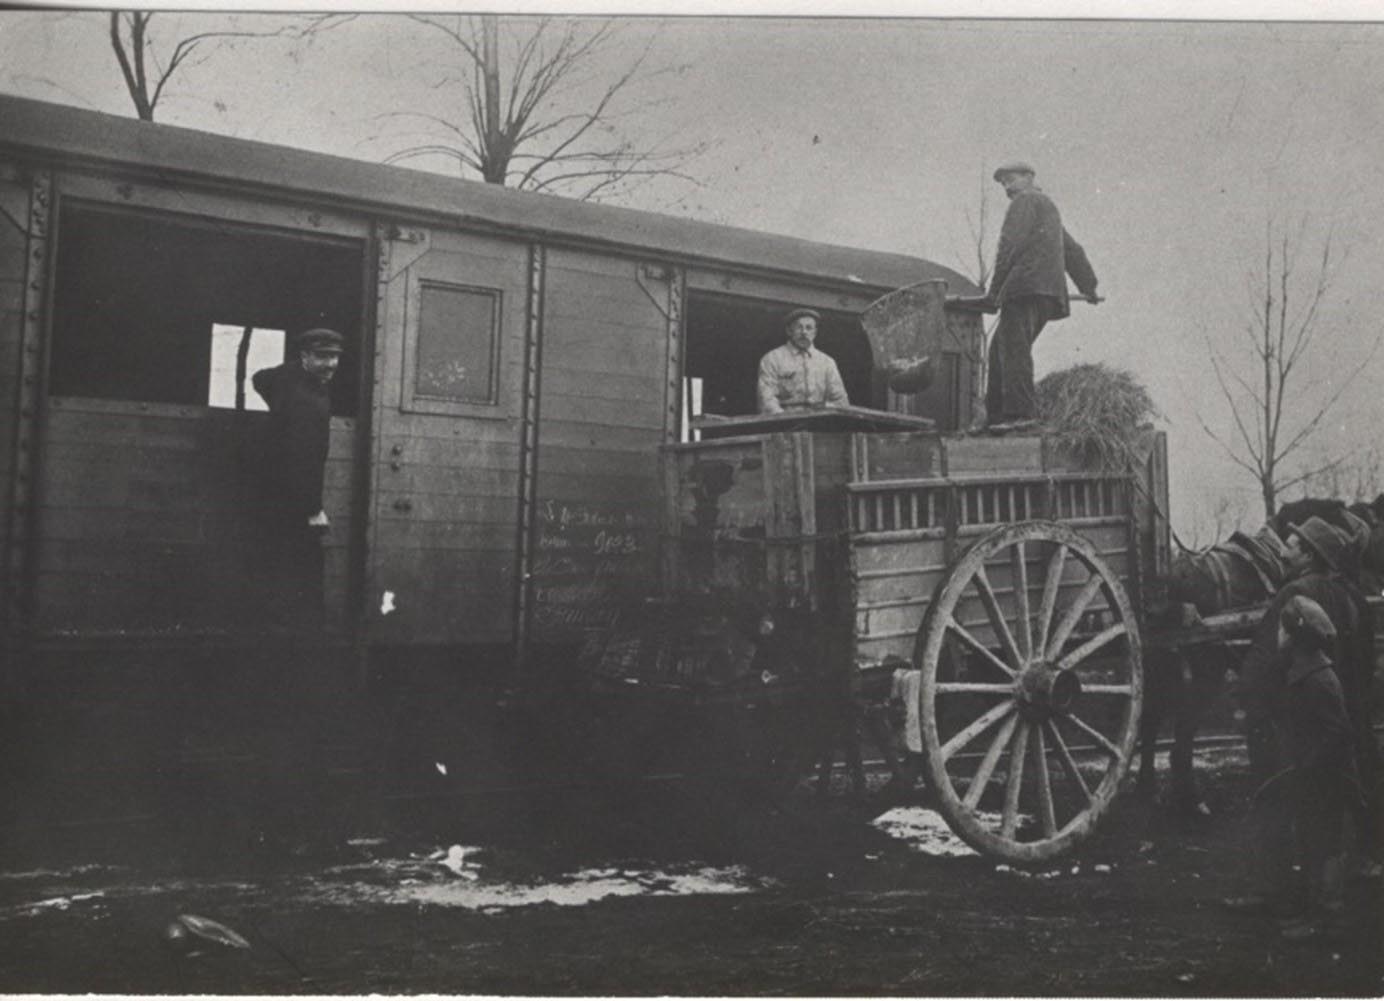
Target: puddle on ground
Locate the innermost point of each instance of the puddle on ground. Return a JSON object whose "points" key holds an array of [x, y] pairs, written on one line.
{"points": [[69, 873], [924, 830], [453, 878]]}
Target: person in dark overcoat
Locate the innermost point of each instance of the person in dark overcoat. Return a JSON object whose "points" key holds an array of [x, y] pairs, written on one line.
{"points": [[291, 473], [1317, 552], [1029, 285], [1321, 778], [307, 690]]}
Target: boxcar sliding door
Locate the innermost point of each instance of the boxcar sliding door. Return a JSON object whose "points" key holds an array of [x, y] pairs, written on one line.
{"points": [[452, 321]]}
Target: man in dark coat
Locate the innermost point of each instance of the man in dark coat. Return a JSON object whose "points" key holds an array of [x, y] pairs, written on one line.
{"points": [[1317, 554], [1303, 805], [292, 473], [308, 696], [1029, 285]]}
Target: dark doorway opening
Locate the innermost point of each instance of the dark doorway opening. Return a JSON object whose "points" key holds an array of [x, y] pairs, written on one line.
{"points": [[141, 298]]}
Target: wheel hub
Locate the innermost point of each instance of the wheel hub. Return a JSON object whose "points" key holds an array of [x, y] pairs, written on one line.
{"points": [[1043, 690]]}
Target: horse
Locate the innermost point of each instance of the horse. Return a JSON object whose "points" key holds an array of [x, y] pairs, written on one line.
{"points": [[1183, 681]]}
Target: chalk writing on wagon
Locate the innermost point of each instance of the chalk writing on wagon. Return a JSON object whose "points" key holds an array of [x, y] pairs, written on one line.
{"points": [[587, 558]]}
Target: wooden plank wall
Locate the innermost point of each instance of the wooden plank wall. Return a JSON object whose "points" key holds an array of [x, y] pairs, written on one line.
{"points": [[895, 583], [907, 534], [604, 412], [147, 522], [14, 200], [446, 486]]}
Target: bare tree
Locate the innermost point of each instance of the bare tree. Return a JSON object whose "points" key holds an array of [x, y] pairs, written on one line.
{"points": [[978, 225], [535, 113], [1284, 321], [148, 65]]}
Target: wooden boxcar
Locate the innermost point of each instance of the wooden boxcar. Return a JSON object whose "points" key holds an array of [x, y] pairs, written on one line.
{"points": [[514, 363]]}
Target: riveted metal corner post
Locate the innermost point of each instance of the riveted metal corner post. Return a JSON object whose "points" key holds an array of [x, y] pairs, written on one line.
{"points": [[668, 541], [19, 570], [368, 395], [527, 539], [677, 293], [374, 450]]}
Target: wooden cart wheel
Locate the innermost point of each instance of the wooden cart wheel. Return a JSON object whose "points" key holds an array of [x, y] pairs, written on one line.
{"points": [[1031, 690]]}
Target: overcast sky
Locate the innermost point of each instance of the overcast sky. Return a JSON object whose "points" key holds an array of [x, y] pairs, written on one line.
{"points": [[1166, 145]]}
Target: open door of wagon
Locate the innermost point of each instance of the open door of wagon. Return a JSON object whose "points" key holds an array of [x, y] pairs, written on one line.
{"points": [[148, 436], [446, 458]]}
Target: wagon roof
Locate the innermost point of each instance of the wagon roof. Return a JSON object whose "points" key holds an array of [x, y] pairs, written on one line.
{"points": [[93, 137]]}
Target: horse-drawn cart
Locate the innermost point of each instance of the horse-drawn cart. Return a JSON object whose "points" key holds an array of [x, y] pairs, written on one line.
{"points": [[804, 554]]}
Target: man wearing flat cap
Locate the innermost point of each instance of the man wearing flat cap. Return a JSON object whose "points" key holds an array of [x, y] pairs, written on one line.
{"points": [[294, 461], [1029, 285], [795, 375]]}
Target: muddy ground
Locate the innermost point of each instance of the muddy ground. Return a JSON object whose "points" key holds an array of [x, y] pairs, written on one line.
{"points": [[583, 893]]}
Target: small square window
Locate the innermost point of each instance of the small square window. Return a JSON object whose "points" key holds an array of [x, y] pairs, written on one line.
{"points": [[231, 370], [458, 334]]}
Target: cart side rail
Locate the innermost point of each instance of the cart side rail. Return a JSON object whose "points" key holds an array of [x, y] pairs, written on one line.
{"points": [[905, 535]]}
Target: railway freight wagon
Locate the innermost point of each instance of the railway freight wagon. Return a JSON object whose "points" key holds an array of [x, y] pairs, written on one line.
{"points": [[513, 365]]}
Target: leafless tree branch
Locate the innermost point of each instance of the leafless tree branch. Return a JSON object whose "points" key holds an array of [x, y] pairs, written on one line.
{"points": [[518, 121], [136, 51], [1284, 322]]}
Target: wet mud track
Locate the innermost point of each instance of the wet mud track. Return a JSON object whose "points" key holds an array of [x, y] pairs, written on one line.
{"points": [[582, 895]]}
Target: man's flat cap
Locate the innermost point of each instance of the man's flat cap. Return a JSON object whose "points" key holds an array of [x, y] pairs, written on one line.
{"points": [[793, 314], [1014, 167], [319, 339], [1301, 616]]}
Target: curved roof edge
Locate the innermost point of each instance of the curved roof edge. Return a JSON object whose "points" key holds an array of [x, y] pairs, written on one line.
{"points": [[91, 136]]}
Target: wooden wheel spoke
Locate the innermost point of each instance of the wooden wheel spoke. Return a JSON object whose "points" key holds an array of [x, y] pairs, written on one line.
{"points": [[1010, 820], [979, 687], [1052, 585], [975, 728], [1021, 600], [1101, 739], [987, 764], [1045, 803], [1068, 762], [969, 639], [1073, 615], [1091, 646], [997, 623]]}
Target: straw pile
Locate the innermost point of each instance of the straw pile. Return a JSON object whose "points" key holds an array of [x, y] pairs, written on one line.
{"points": [[1094, 411]]}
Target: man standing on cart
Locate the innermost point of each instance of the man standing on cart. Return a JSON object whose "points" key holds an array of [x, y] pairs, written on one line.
{"points": [[1029, 285]]}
